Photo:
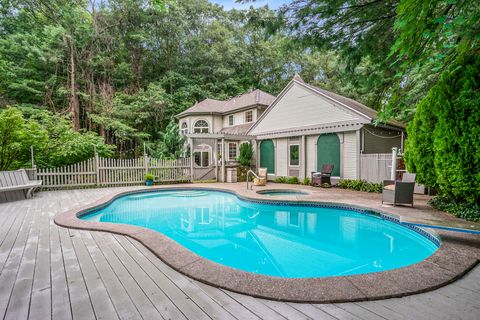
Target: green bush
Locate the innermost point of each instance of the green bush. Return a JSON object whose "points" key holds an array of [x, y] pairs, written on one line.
{"points": [[281, 179], [443, 145], [306, 181], [246, 154], [293, 180], [149, 176], [360, 185], [467, 211]]}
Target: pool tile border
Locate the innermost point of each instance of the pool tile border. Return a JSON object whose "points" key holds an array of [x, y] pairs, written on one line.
{"points": [[426, 275]]}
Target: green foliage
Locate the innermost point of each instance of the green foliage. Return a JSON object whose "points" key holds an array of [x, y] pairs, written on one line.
{"points": [[467, 211], [54, 141], [281, 179], [444, 149], [171, 144], [289, 180], [306, 181], [149, 176], [360, 185], [246, 154]]}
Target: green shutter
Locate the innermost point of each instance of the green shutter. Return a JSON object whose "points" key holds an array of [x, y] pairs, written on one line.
{"points": [[267, 156], [328, 151]]}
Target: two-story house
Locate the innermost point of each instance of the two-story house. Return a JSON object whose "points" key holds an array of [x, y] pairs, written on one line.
{"points": [[293, 134], [215, 130]]}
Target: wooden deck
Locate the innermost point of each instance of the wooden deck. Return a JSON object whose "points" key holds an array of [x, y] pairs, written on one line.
{"points": [[51, 272]]}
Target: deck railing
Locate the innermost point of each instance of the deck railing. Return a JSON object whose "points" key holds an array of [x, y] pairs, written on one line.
{"points": [[98, 171]]}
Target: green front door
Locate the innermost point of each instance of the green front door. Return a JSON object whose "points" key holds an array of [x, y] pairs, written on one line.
{"points": [[267, 156], [328, 152]]}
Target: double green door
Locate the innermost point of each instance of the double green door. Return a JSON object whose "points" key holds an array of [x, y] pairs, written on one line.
{"points": [[328, 152], [267, 156]]}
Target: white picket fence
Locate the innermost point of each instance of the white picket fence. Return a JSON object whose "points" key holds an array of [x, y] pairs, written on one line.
{"points": [[375, 167], [99, 171]]}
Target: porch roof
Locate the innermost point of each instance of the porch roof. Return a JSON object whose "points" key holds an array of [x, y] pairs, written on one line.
{"points": [[221, 135]]}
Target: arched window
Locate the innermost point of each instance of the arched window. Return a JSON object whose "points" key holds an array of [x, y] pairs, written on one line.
{"points": [[184, 128], [201, 126]]}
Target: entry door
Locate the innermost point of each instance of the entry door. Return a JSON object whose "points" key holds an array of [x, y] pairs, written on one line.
{"points": [[267, 156], [328, 152]]}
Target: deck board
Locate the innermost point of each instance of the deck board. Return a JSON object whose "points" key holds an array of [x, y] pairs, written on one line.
{"points": [[51, 272]]}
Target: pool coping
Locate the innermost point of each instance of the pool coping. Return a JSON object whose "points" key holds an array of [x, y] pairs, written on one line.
{"points": [[451, 261]]}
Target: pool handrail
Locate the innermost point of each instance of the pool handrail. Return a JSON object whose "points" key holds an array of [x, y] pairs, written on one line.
{"points": [[254, 174]]}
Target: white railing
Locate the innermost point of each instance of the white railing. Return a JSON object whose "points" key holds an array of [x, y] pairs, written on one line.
{"points": [[99, 171], [375, 167]]}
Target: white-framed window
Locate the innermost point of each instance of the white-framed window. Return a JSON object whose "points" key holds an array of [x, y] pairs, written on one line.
{"points": [[184, 128], [200, 126], [230, 120], [294, 155], [232, 151], [249, 116], [201, 155]]}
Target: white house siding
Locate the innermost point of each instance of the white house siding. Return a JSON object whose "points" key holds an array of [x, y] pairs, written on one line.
{"points": [[281, 156], [349, 159], [301, 107], [311, 142], [239, 117]]}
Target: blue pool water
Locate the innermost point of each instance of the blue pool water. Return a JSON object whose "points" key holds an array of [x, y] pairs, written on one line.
{"points": [[277, 240]]}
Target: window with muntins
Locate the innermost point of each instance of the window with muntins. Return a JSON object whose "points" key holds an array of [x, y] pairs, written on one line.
{"points": [[232, 151], [201, 126], [294, 155], [202, 158], [184, 128], [249, 116], [230, 120]]}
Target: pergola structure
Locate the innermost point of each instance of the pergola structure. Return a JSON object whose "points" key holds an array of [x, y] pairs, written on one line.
{"points": [[206, 148]]}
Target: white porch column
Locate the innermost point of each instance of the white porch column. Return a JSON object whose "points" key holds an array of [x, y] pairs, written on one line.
{"points": [[257, 155], [223, 159], [304, 156], [191, 159], [215, 153]]}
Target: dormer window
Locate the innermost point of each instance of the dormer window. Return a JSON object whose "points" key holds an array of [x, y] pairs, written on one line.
{"points": [[201, 126], [230, 120], [184, 128], [248, 116]]}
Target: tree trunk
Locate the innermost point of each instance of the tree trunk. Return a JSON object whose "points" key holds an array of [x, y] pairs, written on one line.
{"points": [[74, 102]]}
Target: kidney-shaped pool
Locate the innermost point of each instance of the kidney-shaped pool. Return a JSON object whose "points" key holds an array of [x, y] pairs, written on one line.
{"points": [[275, 239]]}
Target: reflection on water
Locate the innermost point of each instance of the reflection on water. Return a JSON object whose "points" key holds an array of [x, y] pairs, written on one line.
{"points": [[287, 241]]}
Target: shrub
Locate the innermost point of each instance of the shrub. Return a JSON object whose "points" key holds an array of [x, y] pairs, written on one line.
{"points": [[293, 180], [281, 179], [360, 185], [306, 181], [246, 154], [443, 147], [467, 211], [149, 176]]}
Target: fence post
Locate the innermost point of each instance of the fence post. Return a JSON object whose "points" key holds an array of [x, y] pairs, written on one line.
{"points": [[97, 170], [145, 158], [393, 172]]}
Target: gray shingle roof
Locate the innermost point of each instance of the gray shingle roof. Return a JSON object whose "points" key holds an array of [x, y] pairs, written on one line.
{"points": [[255, 97], [238, 129]]}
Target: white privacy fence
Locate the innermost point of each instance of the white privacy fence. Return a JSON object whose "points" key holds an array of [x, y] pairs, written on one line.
{"points": [[99, 171], [375, 167]]}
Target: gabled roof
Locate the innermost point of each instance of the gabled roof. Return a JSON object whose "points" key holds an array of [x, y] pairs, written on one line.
{"points": [[253, 98], [365, 112]]}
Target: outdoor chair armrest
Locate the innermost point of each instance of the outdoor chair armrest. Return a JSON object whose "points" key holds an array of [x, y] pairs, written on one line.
{"points": [[388, 182]]}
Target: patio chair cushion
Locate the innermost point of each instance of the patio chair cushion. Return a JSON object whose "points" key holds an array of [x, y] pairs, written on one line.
{"points": [[262, 172], [389, 187]]}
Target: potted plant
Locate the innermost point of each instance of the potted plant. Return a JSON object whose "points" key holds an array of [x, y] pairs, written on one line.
{"points": [[149, 179]]}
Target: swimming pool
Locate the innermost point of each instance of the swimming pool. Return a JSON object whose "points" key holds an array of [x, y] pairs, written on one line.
{"points": [[275, 239]]}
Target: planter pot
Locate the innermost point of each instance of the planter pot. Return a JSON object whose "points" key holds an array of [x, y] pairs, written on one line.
{"points": [[149, 182]]}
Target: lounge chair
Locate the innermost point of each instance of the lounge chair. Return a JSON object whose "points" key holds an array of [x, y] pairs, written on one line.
{"points": [[262, 177], [399, 192], [319, 178]]}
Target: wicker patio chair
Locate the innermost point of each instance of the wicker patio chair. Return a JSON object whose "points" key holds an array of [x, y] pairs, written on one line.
{"points": [[262, 177], [399, 192], [319, 178]]}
